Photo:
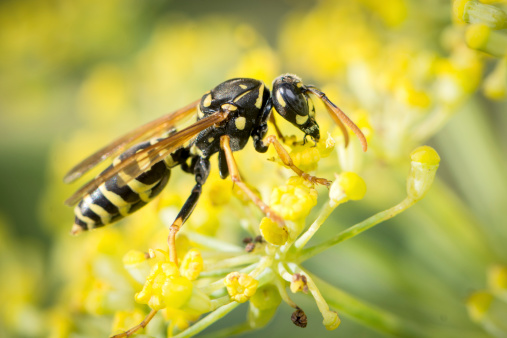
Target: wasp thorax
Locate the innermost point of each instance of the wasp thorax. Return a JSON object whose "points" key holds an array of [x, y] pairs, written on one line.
{"points": [[290, 100]]}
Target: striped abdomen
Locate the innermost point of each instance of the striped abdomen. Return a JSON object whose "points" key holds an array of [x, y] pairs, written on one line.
{"points": [[109, 202]]}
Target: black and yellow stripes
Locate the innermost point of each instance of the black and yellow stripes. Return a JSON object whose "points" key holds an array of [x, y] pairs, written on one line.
{"points": [[112, 201]]}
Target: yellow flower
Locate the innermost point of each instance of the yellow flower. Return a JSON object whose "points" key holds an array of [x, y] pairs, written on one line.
{"points": [[295, 200], [192, 265], [165, 288], [240, 286]]}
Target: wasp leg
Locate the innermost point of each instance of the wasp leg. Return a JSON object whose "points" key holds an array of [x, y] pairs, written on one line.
{"points": [[139, 326], [236, 178], [201, 172], [287, 160]]}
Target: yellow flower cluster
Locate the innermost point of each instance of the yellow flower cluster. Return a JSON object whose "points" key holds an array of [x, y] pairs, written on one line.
{"points": [[399, 76], [165, 287], [294, 200]]}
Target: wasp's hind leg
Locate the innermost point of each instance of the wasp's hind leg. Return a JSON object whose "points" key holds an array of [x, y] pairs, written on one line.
{"points": [[201, 172]]}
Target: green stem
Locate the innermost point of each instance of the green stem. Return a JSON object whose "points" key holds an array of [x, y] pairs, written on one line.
{"points": [[231, 262], [367, 314], [357, 229], [213, 243], [208, 320], [229, 331], [324, 213]]}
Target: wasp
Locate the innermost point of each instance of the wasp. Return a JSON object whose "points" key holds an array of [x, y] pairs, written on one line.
{"points": [[227, 117]]}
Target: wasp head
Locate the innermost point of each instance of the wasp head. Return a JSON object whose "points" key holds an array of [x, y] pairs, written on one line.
{"points": [[290, 100]]}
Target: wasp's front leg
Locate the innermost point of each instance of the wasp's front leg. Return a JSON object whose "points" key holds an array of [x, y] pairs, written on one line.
{"points": [[287, 160]]}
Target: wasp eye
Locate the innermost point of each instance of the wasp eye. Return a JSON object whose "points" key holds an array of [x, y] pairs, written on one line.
{"points": [[291, 102]]}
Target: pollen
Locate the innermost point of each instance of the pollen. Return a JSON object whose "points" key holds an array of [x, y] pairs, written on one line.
{"points": [[240, 286]]}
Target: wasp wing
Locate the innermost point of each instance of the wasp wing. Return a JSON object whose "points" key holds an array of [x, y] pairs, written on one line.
{"points": [[144, 132], [340, 118], [133, 166]]}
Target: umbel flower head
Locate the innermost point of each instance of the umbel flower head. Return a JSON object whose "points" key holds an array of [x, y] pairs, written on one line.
{"points": [[265, 274], [399, 76]]}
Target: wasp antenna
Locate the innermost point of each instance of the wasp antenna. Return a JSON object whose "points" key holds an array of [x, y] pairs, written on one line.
{"points": [[338, 115]]}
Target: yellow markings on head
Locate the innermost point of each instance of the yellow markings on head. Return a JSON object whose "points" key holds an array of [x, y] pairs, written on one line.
{"points": [[301, 119], [228, 107], [258, 103], [243, 86], [200, 114], [240, 122], [280, 99], [299, 84], [207, 101], [211, 139]]}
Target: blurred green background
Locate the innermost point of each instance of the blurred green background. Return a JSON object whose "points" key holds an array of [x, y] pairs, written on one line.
{"points": [[76, 74]]}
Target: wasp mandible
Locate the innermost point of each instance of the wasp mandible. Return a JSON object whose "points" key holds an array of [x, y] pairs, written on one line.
{"points": [[227, 116]]}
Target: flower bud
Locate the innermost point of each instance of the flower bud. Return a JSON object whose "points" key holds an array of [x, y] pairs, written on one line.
{"points": [[192, 265], [425, 162], [240, 286], [272, 232], [347, 186], [481, 37]]}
